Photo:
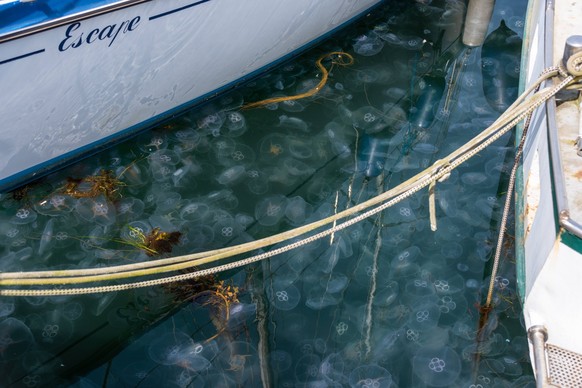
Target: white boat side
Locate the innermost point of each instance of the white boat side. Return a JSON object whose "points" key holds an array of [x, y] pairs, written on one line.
{"points": [[69, 88], [549, 198]]}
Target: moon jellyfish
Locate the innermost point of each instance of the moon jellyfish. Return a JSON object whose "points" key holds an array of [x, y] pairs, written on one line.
{"points": [[318, 298], [473, 178], [23, 216], [231, 175], [293, 123], [72, 311], [135, 231], [369, 119], [51, 329], [291, 106], [211, 123], [297, 168], [15, 339], [284, 297], [195, 211], [170, 201], [405, 263], [307, 368], [129, 208], [299, 148], [368, 46], [387, 294], [425, 314], [170, 348], [272, 147], [55, 205], [297, 211], [335, 282], [235, 124], [97, 210], [240, 313], [344, 329], [370, 376], [437, 367], [46, 237], [226, 230], [280, 361], [271, 210], [222, 199]]}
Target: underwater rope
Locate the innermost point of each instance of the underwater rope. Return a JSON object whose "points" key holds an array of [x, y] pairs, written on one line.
{"points": [[340, 60], [519, 110]]}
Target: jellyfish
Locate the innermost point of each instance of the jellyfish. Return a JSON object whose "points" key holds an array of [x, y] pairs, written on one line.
{"points": [[135, 231], [15, 339], [284, 298], [344, 329], [297, 168], [368, 46], [24, 216], [369, 119], [170, 348], [257, 181], [387, 294], [292, 106], [307, 368], [406, 262], [271, 210], [231, 175], [437, 367], [318, 298], [222, 199], [210, 122], [425, 313], [50, 329], [293, 123], [7, 306], [280, 361], [46, 237], [370, 376], [297, 211], [98, 210], [169, 201], [195, 212], [55, 205], [335, 282], [235, 124], [226, 229], [72, 311]]}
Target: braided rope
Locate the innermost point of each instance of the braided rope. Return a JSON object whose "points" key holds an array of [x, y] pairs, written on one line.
{"points": [[441, 168]]}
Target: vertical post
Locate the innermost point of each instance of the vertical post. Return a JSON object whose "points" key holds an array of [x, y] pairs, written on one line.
{"points": [[538, 335], [477, 21]]}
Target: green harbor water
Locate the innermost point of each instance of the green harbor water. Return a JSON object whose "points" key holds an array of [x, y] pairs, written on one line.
{"points": [[385, 302]]}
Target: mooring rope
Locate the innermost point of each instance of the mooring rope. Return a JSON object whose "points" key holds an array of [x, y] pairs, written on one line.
{"points": [[519, 110], [339, 58]]}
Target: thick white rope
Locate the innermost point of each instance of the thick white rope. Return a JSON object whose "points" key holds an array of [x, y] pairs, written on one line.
{"points": [[438, 170]]}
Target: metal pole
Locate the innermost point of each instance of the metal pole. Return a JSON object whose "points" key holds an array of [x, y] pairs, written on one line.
{"points": [[538, 335]]}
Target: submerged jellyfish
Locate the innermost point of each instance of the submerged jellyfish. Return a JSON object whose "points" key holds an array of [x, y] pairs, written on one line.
{"points": [[271, 210], [437, 367], [195, 211], [280, 361], [284, 297], [98, 210], [318, 298], [15, 339], [368, 45], [54, 205], [170, 348], [231, 175], [24, 216], [370, 376], [235, 124], [297, 211]]}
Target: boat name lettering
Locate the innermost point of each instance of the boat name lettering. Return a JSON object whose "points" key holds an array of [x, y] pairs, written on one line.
{"points": [[74, 38]]}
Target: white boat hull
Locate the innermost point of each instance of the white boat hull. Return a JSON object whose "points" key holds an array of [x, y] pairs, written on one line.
{"points": [[74, 87]]}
